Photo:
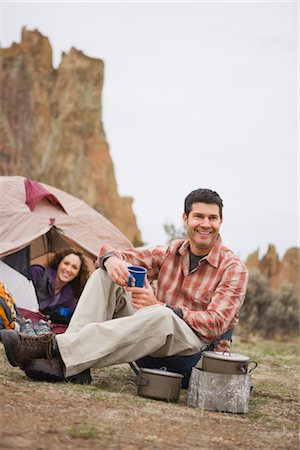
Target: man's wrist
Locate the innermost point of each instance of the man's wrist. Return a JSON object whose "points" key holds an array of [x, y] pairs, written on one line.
{"points": [[104, 258]]}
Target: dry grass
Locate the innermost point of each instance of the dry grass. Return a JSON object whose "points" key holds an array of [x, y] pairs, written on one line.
{"points": [[109, 415]]}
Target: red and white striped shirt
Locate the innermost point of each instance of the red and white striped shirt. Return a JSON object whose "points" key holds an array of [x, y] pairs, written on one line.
{"points": [[210, 296]]}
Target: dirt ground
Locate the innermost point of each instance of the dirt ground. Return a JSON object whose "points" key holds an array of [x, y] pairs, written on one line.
{"points": [[109, 415]]}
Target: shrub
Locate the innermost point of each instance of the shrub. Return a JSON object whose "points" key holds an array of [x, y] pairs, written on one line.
{"points": [[267, 312], [283, 313]]}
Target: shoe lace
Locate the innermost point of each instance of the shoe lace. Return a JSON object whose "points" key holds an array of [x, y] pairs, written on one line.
{"points": [[42, 327], [26, 327]]}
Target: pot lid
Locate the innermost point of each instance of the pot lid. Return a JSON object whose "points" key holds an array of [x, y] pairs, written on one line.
{"points": [[226, 356], [161, 372]]}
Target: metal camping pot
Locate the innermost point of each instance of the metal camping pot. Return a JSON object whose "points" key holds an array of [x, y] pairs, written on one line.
{"points": [[158, 384], [228, 363]]}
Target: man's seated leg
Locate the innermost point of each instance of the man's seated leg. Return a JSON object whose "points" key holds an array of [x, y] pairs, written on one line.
{"points": [[153, 330]]}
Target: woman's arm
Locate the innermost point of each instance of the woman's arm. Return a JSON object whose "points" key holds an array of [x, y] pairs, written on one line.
{"points": [[36, 272]]}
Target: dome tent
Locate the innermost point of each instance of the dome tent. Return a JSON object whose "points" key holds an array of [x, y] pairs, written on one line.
{"points": [[38, 219]]}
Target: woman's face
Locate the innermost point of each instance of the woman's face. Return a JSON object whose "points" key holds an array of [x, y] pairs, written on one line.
{"points": [[68, 268]]}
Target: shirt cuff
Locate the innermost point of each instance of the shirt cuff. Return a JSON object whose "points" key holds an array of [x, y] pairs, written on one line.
{"points": [[104, 258]]}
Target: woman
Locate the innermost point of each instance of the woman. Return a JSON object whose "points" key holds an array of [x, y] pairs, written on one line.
{"points": [[58, 287]]}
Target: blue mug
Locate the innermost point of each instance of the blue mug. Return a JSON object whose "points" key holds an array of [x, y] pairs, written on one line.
{"points": [[138, 273]]}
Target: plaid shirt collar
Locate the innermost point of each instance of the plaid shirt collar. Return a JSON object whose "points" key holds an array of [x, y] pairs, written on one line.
{"points": [[213, 256]]}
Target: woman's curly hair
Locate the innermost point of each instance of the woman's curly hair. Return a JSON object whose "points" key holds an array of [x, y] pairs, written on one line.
{"points": [[83, 274]]}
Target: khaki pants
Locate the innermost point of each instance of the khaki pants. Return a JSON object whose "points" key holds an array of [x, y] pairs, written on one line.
{"points": [[106, 330]]}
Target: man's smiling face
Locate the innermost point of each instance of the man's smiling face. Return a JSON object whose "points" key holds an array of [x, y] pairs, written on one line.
{"points": [[202, 225]]}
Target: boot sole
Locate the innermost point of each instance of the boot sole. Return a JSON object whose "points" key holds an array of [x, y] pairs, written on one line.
{"points": [[80, 379], [5, 342], [35, 371]]}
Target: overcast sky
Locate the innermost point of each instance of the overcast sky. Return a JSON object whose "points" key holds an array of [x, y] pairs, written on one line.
{"points": [[200, 94]]}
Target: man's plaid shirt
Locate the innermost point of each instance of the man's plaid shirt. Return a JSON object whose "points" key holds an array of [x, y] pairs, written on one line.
{"points": [[210, 296]]}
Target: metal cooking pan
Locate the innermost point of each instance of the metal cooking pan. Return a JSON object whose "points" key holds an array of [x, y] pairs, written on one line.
{"points": [[158, 383], [228, 363]]}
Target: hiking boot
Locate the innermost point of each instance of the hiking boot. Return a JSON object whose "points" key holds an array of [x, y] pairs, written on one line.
{"points": [[46, 369], [22, 348], [26, 327], [81, 378], [42, 327]]}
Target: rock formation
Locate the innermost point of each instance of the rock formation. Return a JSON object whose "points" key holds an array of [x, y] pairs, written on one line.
{"points": [[278, 272], [51, 128]]}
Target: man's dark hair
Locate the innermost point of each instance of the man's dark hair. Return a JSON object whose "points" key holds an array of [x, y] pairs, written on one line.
{"points": [[203, 196]]}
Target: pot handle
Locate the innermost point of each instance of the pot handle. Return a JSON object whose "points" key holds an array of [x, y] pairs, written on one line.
{"points": [[135, 368], [142, 381], [255, 364], [243, 368]]}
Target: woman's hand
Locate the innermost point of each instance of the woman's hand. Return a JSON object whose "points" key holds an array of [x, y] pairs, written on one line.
{"points": [[142, 297]]}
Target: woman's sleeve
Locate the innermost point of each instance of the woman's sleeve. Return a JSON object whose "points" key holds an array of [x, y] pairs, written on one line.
{"points": [[36, 273]]}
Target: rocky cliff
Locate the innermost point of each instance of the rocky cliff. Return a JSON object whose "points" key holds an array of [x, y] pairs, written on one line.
{"points": [[278, 271], [51, 128]]}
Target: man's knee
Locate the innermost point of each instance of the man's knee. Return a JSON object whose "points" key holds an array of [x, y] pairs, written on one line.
{"points": [[168, 313], [160, 313]]}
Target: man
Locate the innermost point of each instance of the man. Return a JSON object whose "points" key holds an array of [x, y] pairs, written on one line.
{"points": [[201, 287]]}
